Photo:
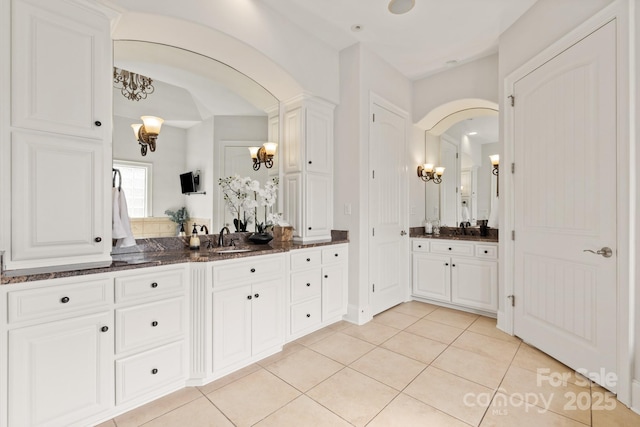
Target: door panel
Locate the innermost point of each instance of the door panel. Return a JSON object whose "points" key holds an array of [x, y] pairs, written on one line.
{"points": [[565, 132], [388, 250]]}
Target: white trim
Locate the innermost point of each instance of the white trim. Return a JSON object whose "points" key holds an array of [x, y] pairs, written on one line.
{"points": [[619, 10]]}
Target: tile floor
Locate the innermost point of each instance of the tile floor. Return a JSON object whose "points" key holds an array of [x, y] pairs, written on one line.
{"points": [[413, 365]]}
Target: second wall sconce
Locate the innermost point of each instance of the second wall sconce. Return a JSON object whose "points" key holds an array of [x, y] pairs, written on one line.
{"points": [[427, 173], [147, 132], [495, 162], [263, 154]]}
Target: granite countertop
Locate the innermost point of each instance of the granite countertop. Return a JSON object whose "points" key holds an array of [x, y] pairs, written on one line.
{"points": [[454, 233], [156, 252]]}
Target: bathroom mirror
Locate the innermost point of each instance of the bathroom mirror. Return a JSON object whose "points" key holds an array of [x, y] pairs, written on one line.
{"points": [[212, 113], [469, 189]]}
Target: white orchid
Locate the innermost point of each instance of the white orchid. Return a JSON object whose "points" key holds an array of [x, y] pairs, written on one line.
{"points": [[237, 193]]}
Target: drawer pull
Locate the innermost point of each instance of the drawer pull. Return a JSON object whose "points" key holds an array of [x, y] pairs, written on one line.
{"points": [[486, 252], [98, 239], [453, 265], [104, 328], [419, 246], [154, 324], [308, 259], [446, 264], [308, 315], [64, 300], [249, 297], [326, 276], [310, 162], [98, 123], [308, 284], [309, 228], [154, 285], [154, 371], [256, 296], [253, 270], [449, 248], [335, 255]]}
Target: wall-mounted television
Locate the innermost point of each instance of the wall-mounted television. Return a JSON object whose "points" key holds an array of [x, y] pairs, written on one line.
{"points": [[188, 183]]}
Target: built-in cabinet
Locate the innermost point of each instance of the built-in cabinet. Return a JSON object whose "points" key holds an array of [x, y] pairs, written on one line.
{"points": [[308, 168], [317, 288], [59, 134], [460, 273]]}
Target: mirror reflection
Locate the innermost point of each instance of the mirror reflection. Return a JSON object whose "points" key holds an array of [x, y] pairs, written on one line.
{"points": [[212, 114], [468, 191]]}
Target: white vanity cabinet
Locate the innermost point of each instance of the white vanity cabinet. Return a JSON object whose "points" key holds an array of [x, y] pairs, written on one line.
{"points": [[60, 351], [307, 158], [456, 272], [248, 310], [59, 136], [151, 326], [317, 288]]}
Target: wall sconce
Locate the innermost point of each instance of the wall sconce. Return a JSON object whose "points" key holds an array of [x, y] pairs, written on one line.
{"points": [[263, 154], [147, 132], [495, 162], [427, 173]]}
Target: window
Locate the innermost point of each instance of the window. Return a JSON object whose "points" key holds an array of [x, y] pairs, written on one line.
{"points": [[136, 184]]}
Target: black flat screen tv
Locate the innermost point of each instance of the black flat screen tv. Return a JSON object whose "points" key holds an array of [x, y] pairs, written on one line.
{"points": [[187, 183]]}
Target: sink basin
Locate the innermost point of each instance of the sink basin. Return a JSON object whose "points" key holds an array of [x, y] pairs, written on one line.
{"points": [[232, 251]]}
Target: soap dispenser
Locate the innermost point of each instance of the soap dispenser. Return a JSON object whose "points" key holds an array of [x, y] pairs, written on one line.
{"points": [[194, 242]]}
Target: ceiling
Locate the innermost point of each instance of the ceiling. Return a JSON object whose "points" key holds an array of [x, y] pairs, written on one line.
{"points": [[486, 129], [418, 43]]}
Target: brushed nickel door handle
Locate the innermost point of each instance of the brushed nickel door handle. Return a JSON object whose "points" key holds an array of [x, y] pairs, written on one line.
{"points": [[605, 252]]}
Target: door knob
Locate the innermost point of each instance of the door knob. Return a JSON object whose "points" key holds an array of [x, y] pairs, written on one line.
{"points": [[403, 233], [605, 252]]}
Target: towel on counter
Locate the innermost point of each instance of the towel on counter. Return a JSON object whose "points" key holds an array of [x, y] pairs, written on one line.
{"points": [[465, 214], [120, 225]]}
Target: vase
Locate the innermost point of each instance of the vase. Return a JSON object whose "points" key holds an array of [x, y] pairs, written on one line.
{"points": [[260, 238]]}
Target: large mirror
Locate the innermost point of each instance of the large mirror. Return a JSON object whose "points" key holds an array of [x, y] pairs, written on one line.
{"points": [[212, 113], [469, 189]]}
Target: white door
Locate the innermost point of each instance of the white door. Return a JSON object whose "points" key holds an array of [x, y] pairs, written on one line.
{"points": [[565, 203], [388, 247]]}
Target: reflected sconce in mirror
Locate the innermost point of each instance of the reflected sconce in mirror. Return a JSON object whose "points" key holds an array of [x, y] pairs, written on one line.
{"points": [[147, 132], [263, 154], [428, 173], [495, 162]]}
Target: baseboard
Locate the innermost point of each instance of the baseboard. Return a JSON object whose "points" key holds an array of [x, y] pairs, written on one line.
{"points": [[358, 315], [635, 396]]}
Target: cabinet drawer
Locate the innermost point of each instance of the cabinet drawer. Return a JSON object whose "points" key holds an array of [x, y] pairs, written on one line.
{"points": [[151, 284], [334, 254], [305, 259], [454, 248], [420, 245], [487, 251], [305, 284], [59, 299], [146, 372], [305, 315], [249, 269], [147, 324]]}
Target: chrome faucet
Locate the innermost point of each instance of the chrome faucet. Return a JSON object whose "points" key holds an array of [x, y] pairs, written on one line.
{"points": [[221, 236]]}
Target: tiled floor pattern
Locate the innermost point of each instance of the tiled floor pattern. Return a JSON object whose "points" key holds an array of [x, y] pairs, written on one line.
{"points": [[413, 365]]}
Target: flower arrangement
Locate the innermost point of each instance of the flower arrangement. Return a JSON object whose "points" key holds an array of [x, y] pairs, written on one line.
{"points": [[268, 199], [179, 217], [237, 194]]}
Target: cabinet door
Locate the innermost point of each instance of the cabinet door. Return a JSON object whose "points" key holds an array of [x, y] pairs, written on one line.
{"points": [[267, 315], [231, 326], [334, 291], [58, 199], [60, 372], [319, 140], [431, 276], [61, 68], [292, 195], [474, 283], [318, 212]]}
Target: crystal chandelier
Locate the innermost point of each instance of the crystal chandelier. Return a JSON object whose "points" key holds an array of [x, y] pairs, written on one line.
{"points": [[132, 86]]}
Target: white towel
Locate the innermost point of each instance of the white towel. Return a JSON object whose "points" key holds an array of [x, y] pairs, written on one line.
{"points": [[465, 214], [494, 218], [121, 227]]}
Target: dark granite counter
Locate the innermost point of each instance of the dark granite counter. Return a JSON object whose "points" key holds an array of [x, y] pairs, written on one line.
{"points": [[454, 233], [175, 250]]}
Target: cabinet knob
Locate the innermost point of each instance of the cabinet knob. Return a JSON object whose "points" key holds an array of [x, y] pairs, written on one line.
{"points": [[335, 254], [249, 297], [308, 284], [453, 265], [449, 248], [308, 315], [257, 296], [310, 162], [486, 252], [98, 239], [98, 123], [326, 276], [104, 328], [446, 264], [154, 323], [154, 371], [309, 228], [308, 259], [419, 246], [253, 270], [64, 300], [154, 285]]}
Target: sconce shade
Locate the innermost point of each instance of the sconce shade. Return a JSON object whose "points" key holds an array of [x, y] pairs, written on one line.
{"points": [[152, 124], [136, 129], [428, 167], [439, 171], [270, 148], [253, 151], [495, 159]]}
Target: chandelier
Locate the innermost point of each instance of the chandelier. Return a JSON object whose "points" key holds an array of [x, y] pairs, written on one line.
{"points": [[132, 86]]}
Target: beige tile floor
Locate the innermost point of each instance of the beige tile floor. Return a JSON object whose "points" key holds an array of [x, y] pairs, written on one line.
{"points": [[413, 365]]}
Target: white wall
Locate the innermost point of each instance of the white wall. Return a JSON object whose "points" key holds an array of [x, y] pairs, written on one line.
{"points": [[169, 161], [431, 191], [200, 156], [362, 73], [484, 180]]}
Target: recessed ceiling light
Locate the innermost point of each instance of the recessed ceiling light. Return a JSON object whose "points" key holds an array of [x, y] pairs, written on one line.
{"points": [[472, 133], [356, 28], [451, 63], [398, 7]]}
